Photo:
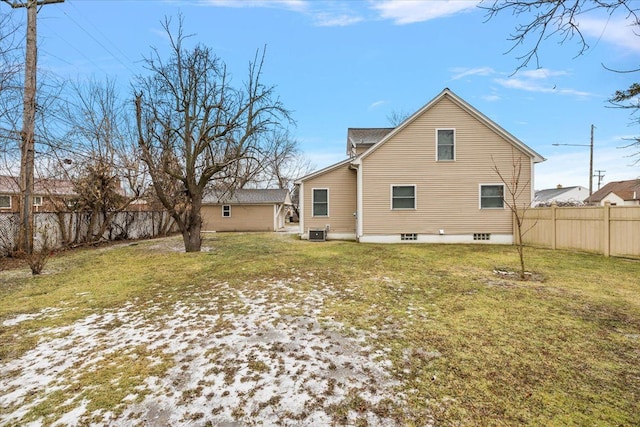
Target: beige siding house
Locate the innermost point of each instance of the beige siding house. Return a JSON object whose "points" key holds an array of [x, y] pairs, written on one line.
{"points": [[246, 210], [431, 179]]}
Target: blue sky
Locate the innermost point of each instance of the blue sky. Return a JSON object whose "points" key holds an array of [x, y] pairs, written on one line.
{"points": [[339, 64]]}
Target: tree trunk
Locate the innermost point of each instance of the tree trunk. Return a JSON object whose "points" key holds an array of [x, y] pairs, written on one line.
{"points": [[192, 227], [192, 240]]}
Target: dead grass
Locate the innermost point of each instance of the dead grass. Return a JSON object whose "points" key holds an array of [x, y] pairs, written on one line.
{"points": [[461, 345]]}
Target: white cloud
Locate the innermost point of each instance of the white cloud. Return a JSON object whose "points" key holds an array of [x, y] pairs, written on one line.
{"points": [[618, 32], [295, 5], [412, 11], [461, 73], [542, 73], [492, 98], [376, 105], [342, 20], [540, 81]]}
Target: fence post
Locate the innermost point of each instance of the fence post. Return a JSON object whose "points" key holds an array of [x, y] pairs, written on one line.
{"points": [[607, 229], [553, 225]]}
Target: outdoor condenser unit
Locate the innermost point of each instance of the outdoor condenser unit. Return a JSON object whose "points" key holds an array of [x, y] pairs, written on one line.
{"points": [[318, 235]]}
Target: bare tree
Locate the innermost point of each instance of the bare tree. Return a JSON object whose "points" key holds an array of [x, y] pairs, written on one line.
{"points": [[108, 173], [194, 127], [545, 19], [630, 99], [10, 85], [517, 198], [398, 116]]}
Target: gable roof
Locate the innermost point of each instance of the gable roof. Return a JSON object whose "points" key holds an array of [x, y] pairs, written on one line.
{"points": [[323, 170], [626, 190], [41, 186], [365, 137], [537, 158], [249, 197], [552, 193]]}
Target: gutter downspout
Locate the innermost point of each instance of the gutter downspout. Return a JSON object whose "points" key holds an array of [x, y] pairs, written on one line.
{"points": [[301, 209], [359, 211]]}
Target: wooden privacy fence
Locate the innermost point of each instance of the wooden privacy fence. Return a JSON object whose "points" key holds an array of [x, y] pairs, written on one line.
{"points": [[609, 230]]}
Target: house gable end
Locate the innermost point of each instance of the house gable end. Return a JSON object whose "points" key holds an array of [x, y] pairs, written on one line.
{"points": [[463, 105]]}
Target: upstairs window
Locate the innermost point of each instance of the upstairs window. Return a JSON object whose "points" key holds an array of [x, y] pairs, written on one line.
{"points": [[226, 211], [5, 201], [446, 149], [492, 196], [37, 200], [320, 202], [403, 197]]}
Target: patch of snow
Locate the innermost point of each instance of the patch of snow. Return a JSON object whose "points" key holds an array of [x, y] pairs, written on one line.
{"points": [[243, 362]]}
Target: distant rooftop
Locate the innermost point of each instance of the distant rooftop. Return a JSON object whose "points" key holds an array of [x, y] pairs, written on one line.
{"points": [[41, 186], [626, 190], [248, 196]]}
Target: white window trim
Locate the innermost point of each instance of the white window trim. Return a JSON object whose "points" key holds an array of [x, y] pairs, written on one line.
{"points": [[223, 211], [313, 192], [455, 145], [415, 197], [10, 201], [500, 184], [34, 200]]}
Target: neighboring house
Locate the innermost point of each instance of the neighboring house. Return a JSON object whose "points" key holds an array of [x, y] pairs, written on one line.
{"points": [[246, 210], [47, 194], [561, 195], [617, 193], [431, 179]]}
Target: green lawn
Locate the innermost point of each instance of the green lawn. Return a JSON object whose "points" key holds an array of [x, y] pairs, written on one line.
{"points": [[464, 346]]}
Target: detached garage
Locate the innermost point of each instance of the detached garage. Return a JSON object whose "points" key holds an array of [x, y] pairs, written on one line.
{"points": [[246, 210]]}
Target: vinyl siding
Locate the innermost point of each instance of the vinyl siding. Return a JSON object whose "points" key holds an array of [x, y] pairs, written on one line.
{"points": [[447, 192], [341, 183], [243, 218]]}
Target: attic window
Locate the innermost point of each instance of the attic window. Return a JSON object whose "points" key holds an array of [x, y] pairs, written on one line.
{"points": [[445, 140], [5, 201]]}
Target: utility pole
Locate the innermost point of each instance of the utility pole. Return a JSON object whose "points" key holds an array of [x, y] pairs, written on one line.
{"points": [[27, 147], [600, 174], [591, 165], [590, 145]]}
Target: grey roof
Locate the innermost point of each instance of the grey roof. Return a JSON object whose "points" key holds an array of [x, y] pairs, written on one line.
{"points": [[552, 193], [365, 136], [248, 196]]}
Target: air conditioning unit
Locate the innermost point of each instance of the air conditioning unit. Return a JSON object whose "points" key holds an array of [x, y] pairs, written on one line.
{"points": [[317, 235]]}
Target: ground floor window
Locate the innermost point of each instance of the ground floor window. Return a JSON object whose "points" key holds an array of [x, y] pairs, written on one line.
{"points": [[5, 201], [492, 196], [403, 197], [320, 202]]}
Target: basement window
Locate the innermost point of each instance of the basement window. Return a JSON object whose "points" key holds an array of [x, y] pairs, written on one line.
{"points": [[481, 236], [409, 236]]}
